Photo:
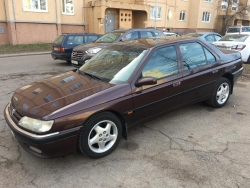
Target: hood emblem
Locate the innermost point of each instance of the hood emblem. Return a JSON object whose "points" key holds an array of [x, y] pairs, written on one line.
{"points": [[13, 111]]}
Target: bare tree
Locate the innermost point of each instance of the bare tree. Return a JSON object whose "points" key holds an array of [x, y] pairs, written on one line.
{"points": [[229, 10]]}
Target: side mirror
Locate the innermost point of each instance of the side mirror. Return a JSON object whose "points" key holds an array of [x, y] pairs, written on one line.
{"points": [[146, 81]]}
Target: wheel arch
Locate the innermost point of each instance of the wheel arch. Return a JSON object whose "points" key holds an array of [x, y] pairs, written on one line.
{"points": [[120, 117], [230, 78]]}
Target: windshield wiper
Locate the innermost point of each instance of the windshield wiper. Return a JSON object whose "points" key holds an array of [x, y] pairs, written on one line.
{"points": [[91, 75]]}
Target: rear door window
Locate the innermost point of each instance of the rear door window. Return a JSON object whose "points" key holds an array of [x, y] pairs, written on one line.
{"points": [[217, 37], [192, 55], [210, 38], [132, 36], [246, 29], [75, 40], [146, 34]]}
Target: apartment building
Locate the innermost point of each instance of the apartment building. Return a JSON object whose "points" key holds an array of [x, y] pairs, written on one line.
{"points": [[40, 21], [232, 12]]}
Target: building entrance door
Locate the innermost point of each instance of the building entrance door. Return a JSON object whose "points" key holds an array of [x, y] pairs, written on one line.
{"points": [[110, 22]]}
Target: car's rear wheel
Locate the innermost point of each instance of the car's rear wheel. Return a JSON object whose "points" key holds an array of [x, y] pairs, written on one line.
{"points": [[221, 93], [100, 135]]}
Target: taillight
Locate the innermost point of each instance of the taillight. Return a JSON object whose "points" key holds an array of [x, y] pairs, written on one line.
{"points": [[238, 47], [59, 49]]}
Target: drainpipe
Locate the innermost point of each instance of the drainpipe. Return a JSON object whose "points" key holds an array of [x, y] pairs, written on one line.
{"points": [[14, 16], [13, 9], [56, 12], [156, 4], [5, 11]]}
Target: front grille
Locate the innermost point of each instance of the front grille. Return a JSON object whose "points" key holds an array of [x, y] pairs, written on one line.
{"points": [[15, 116], [77, 55]]}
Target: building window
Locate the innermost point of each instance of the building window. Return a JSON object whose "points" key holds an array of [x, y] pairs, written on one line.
{"points": [[224, 4], [35, 5], [210, 1], [155, 12], [182, 15], [68, 7], [235, 5], [206, 16]]}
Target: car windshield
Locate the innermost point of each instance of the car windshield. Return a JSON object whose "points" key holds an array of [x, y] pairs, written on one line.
{"points": [[114, 64], [233, 30], [109, 37], [238, 38]]}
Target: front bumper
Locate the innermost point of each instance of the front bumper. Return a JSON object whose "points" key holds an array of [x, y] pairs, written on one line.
{"points": [[44, 146], [79, 62]]}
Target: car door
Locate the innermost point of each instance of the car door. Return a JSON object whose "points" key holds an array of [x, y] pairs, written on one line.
{"points": [[200, 71], [150, 100]]}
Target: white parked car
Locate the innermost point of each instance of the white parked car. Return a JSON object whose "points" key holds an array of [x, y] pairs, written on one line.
{"points": [[170, 34], [238, 29], [240, 42]]}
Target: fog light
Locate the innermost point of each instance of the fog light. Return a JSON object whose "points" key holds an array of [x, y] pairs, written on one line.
{"points": [[35, 149]]}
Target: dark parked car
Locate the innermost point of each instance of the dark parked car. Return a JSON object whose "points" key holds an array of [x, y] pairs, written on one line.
{"points": [[125, 84], [210, 37], [63, 44], [83, 53]]}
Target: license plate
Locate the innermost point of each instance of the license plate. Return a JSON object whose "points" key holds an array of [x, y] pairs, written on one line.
{"points": [[74, 62], [55, 48], [12, 134]]}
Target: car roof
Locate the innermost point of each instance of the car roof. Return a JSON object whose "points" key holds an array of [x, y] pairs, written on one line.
{"points": [[80, 34], [135, 29], [203, 33], [153, 42]]}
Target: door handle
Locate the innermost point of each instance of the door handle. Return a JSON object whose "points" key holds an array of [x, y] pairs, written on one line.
{"points": [[177, 84], [214, 71]]}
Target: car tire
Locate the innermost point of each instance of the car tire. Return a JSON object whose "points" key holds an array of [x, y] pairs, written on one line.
{"points": [[221, 93], [100, 135], [69, 62]]}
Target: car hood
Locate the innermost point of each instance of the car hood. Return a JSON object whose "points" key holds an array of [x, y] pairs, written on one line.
{"points": [[46, 96], [85, 47]]}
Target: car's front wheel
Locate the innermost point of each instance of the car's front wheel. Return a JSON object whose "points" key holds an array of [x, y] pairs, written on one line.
{"points": [[100, 135], [221, 93]]}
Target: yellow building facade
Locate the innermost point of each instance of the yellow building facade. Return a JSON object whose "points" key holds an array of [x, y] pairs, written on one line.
{"points": [[40, 21]]}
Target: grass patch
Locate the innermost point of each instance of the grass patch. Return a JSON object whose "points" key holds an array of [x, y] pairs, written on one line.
{"points": [[24, 48]]}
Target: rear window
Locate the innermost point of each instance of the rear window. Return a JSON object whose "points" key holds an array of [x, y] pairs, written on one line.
{"points": [[246, 29], [239, 38], [78, 39], [233, 30], [59, 39]]}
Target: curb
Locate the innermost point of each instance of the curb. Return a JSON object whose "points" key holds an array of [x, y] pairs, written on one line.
{"points": [[24, 54]]}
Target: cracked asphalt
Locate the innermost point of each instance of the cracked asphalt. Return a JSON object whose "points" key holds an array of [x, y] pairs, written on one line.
{"points": [[195, 146]]}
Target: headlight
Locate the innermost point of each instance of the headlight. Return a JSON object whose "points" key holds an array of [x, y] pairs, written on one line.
{"points": [[93, 50], [35, 124]]}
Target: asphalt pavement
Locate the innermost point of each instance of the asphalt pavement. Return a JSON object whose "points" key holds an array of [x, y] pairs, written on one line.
{"points": [[195, 146], [23, 54]]}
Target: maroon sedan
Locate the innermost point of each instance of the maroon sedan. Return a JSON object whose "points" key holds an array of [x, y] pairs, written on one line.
{"points": [[122, 85]]}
